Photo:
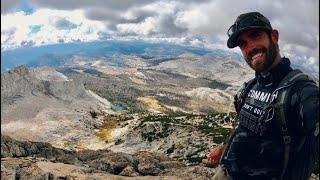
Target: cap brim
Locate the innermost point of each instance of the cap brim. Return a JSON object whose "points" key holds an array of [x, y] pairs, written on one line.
{"points": [[233, 39]]}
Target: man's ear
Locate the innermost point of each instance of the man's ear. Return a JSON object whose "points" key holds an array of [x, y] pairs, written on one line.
{"points": [[275, 35]]}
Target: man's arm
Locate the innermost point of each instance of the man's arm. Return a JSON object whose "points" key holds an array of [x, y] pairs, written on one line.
{"points": [[309, 108], [308, 152], [216, 154]]}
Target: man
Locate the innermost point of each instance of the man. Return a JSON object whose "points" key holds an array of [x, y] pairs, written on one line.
{"points": [[278, 132]]}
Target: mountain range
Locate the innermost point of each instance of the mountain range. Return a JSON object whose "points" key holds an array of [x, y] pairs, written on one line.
{"points": [[55, 55]]}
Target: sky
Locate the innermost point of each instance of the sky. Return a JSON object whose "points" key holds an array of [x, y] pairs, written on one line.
{"points": [[201, 23]]}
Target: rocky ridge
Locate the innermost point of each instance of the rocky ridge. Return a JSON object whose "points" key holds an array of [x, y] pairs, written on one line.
{"points": [[35, 160], [44, 105], [233, 72]]}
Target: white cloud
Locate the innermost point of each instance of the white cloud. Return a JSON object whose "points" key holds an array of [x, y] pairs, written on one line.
{"points": [[194, 20], [151, 19], [50, 30], [161, 7], [148, 26], [303, 56]]}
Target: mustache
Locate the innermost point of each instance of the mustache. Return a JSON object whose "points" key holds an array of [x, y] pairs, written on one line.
{"points": [[256, 51]]}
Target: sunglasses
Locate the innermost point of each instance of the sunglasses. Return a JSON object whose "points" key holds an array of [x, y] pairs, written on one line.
{"points": [[249, 21]]}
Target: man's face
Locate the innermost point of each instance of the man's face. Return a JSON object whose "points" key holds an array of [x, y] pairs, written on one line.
{"points": [[258, 49]]}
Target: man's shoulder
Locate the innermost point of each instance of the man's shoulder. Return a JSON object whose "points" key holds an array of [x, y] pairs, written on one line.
{"points": [[304, 82], [299, 80], [305, 93]]}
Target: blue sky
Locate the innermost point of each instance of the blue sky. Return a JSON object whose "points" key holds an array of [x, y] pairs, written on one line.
{"points": [[189, 22]]}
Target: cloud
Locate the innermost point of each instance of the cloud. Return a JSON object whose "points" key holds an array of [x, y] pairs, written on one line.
{"points": [[84, 4], [147, 27], [46, 26], [63, 23], [152, 19], [137, 14], [191, 22], [101, 14], [302, 55], [8, 5], [169, 27]]}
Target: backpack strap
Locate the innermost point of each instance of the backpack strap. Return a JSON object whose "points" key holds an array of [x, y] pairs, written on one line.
{"points": [[241, 95], [280, 105]]}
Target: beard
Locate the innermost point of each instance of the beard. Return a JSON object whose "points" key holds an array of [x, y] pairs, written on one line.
{"points": [[270, 52]]}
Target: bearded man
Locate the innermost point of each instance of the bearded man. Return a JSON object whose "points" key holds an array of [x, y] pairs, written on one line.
{"points": [[278, 132]]}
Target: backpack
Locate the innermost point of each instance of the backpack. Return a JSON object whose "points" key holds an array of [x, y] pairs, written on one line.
{"points": [[278, 106]]}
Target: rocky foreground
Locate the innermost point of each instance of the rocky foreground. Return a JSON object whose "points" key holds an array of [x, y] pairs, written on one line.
{"points": [[37, 160]]}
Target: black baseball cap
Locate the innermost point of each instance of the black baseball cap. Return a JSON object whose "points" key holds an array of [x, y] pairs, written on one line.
{"points": [[244, 22]]}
